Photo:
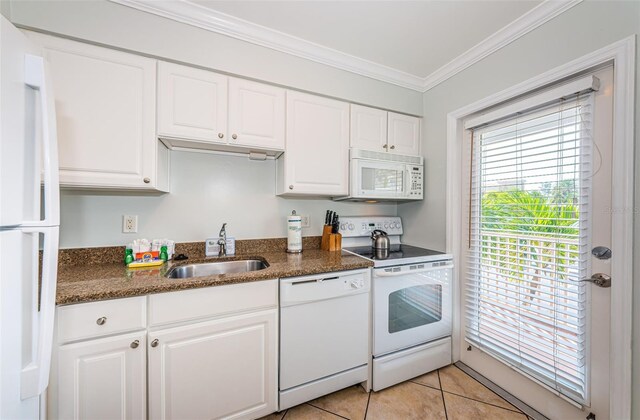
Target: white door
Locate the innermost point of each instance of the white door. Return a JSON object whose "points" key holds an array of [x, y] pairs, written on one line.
{"points": [[225, 368], [404, 134], [368, 128], [529, 293], [256, 114], [192, 103], [105, 103], [103, 378], [316, 161]]}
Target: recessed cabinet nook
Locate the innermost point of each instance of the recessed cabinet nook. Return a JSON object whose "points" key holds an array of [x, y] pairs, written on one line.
{"points": [[119, 115]]}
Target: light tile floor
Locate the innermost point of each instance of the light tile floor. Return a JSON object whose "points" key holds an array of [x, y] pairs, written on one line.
{"points": [[447, 393]]}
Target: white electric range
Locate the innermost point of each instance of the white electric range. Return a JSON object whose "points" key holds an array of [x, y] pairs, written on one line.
{"points": [[412, 301]]}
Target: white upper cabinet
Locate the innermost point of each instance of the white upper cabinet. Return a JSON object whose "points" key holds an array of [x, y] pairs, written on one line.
{"points": [[105, 113], [256, 114], [368, 128], [404, 134], [383, 131], [192, 103], [316, 161], [203, 109]]}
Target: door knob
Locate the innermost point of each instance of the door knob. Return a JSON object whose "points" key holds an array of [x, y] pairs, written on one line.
{"points": [[234, 136], [135, 344], [154, 343], [393, 147], [220, 135], [102, 320], [600, 280]]}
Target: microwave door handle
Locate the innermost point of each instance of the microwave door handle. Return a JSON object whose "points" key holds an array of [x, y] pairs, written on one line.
{"points": [[407, 182]]}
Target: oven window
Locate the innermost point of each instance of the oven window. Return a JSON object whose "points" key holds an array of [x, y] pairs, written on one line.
{"points": [[384, 180], [414, 307]]}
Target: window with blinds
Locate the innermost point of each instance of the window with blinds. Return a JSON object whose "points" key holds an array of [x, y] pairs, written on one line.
{"points": [[529, 243]]}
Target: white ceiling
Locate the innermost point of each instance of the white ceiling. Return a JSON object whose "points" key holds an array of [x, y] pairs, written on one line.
{"points": [[415, 37]]}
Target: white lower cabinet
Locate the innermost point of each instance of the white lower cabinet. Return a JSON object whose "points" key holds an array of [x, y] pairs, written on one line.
{"points": [[225, 368], [206, 353], [103, 378]]}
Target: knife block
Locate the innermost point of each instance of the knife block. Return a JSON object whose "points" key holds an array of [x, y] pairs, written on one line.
{"points": [[332, 243], [324, 243]]}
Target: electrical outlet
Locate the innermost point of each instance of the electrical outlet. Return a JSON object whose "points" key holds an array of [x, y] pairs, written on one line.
{"points": [[129, 224], [306, 221]]}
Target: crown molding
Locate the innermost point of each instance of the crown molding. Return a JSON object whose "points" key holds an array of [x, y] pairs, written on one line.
{"points": [[193, 14], [202, 17], [534, 18]]}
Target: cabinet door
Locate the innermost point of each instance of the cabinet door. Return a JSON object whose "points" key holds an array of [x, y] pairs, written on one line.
{"points": [[256, 114], [368, 128], [316, 158], [404, 134], [105, 114], [192, 103], [103, 378], [221, 368]]}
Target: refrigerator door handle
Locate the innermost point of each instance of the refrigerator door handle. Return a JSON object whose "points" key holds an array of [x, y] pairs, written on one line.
{"points": [[35, 376], [38, 77]]}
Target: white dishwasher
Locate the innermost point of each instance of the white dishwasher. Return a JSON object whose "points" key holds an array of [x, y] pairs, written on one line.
{"points": [[324, 334]]}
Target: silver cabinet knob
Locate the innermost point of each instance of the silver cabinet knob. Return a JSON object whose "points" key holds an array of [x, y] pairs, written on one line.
{"points": [[290, 187], [102, 320], [147, 180], [385, 146], [393, 147], [154, 343], [220, 135], [234, 136], [135, 344]]}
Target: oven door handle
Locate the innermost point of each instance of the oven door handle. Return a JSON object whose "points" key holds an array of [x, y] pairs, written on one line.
{"points": [[383, 273]]}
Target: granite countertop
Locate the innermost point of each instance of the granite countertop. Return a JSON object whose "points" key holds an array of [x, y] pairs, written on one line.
{"points": [[100, 281]]}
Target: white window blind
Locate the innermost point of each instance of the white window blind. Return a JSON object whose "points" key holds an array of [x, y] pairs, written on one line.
{"points": [[529, 243]]}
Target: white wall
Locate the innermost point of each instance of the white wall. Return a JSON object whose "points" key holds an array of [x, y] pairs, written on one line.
{"points": [[101, 21], [206, 190], [584, 28]]}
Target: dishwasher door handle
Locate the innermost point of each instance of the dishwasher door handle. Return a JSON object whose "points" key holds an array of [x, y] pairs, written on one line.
{"points": [[319, 280]]}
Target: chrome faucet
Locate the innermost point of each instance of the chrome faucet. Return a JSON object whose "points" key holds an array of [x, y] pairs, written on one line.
{"points": [[222, 241]]}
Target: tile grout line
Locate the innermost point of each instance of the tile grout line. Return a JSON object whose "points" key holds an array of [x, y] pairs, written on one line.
{"points": [[487, 403], [326, 411], [490, 385], [444, 404], [366, 410], [495, 393], [428, 386]]}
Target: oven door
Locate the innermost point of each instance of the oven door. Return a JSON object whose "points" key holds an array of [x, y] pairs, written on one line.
{"points": [[412, 305], [378, 179]]}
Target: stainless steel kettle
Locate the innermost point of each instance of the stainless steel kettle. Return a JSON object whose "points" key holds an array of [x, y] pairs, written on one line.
{"points": [[380, 240]]}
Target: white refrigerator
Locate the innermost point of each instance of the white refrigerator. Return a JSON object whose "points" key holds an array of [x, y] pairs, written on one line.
{"points": [[29, 221]]}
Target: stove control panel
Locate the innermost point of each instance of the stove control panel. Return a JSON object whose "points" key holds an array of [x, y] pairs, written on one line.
{"points": [[363, 226]]}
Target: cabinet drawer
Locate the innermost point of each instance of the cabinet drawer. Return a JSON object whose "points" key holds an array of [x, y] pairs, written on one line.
{"points": [[86, 320], [186, 305]]}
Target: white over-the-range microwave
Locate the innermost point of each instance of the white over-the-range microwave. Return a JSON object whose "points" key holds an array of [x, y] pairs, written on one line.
{"points": [[378, 176]]}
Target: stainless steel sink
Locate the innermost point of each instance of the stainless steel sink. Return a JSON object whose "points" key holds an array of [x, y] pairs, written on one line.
{"points": [[213, 268]]}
